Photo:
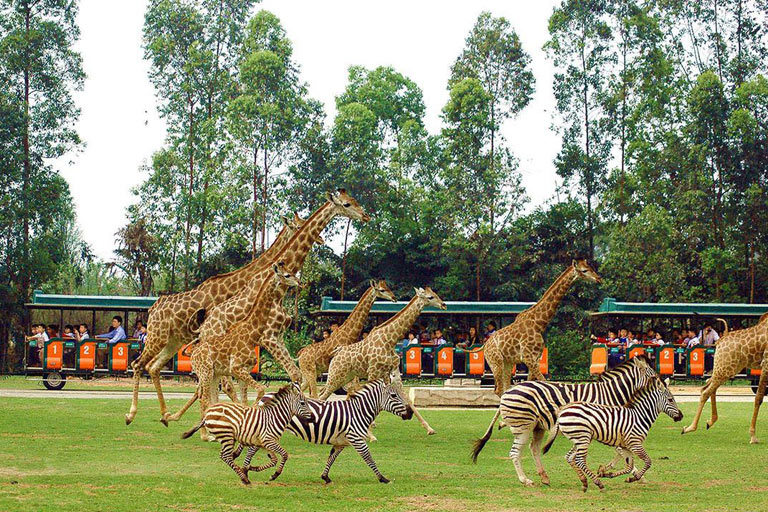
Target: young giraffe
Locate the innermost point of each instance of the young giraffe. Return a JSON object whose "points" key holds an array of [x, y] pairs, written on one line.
{"points": [[736, 350], [174, 319], [523, 340], [375, 356], [233, 353], [168, 320], [219, 319], [315, 358]]}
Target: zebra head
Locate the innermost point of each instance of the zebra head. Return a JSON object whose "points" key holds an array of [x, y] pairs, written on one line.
{"points": [[667, 402], [393, 400]]}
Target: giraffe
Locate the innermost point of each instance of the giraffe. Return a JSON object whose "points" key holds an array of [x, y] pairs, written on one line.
{"points": [[315, 358], [375, 356], [522, 341], [233, 353], [736, 350], [173, 321]]}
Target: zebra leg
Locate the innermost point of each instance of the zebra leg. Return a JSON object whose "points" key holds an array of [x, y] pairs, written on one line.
{"points": [[570, 459], [538, 437], [272, 463], [274, 447], [580, 459], [621, 454], [227, 447], [335, 451], [514, 453], [638, 450], [248, 457], [359, 444]]}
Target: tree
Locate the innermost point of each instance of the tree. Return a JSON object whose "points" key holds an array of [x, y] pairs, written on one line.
{"points": [[580, 49], [270, 111], [137, 254]]}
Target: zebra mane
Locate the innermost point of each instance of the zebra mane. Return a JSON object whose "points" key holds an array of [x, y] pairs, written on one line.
{"points": [[272, 399], [364, 389], [648, 388]]}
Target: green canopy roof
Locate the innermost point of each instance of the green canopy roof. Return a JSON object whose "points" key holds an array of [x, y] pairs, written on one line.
{"points": [[610, 307], [42, 300], [344, 307]]}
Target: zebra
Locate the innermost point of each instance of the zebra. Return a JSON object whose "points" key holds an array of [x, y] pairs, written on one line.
{"points": [[260, 426], [529, 408], [624, 427], [342, 423]]}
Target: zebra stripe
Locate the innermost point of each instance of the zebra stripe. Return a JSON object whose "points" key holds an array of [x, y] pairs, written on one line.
{"points": [[530, 408], [623, 427], [346, 422], [260, 426]]}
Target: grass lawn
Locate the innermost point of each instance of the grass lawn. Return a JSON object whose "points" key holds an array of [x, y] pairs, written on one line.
{"points": [[78, 455]]}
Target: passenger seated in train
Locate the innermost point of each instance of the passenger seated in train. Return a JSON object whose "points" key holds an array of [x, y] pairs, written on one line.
{"points": [[53, 331], [69, 332], [40, 336], [82, 332]]}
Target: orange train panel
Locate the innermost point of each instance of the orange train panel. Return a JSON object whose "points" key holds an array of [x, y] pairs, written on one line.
{"points": [[256, 366], [696, 361], [413, 361], [599, 360], [755, 371], [636, 351], [120, 357], [183, 362], [87, 356], [476, 362], [666, 360], [445, 361], [53, 353], [544, 362]]}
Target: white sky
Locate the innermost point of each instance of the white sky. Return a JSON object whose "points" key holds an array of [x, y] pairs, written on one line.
{"points": [[121, 128]]}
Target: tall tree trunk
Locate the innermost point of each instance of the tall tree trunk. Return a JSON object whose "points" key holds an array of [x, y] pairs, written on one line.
{"points": [[717, 47], [622, 176], [752, 276], [477, 277], [203, 215], [588, 176], [255, 226], [344, 259], [264, 201], [187, 230], [739, 64], [25, 276]]}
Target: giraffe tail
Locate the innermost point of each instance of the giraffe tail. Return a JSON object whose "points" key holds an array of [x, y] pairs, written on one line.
{"points": [[186, 350], [196, 320], [725, 332], [552, 436], [480, 443], [188, 433]]}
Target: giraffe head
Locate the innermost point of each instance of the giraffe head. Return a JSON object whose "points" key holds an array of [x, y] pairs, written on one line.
{"points": [[430, 297], [293, 224], [346, 205], [283, 277], [585, 271], [382, 291]]}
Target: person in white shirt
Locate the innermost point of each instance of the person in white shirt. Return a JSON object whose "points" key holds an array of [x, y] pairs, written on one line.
{"points": [[693, 340], [40, 336], [437, 338], [82, 332], [709, 336]]}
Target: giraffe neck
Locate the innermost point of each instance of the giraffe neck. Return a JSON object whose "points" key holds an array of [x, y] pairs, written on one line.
{"points": [[393, 330], [265, 297], [276, 247], [542, 312], [353, 325], [297, 247]]}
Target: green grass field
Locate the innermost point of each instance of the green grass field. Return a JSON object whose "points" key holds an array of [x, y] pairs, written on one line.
{"points": [[78, 455]]}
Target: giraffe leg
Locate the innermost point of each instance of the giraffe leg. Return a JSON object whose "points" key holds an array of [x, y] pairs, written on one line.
{"points": [[139, 365], [178, 414], [246, 381], [638, 450], [206, 385], [707, 391], [758, 399], [514, 453], [228, 388], [155, 367], [280, 353], [538, 437], [534, 372], [336, 379], [335, 451], [359, 445], [497, 368], [713, 417]]}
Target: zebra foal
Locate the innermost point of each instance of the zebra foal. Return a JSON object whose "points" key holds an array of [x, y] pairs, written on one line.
{"points": [[529, 408], [624, 427], [259, 426], [345, 423]]}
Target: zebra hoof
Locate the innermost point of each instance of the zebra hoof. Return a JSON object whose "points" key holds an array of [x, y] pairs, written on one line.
{"points": [[583, 488], [274, 476], [383, 480], [326, 479], [601, 471]]}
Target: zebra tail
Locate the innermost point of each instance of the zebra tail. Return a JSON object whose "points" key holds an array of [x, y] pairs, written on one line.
{"points": [[552, 436], [480, 443], [188, 433]]}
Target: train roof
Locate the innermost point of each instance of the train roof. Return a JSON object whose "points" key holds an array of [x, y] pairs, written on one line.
{"points": [[612, 307], [329, 307], [42, 300]]}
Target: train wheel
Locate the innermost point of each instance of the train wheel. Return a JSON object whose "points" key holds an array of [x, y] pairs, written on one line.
{"points": [[54, 380]]}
